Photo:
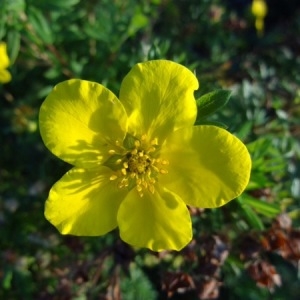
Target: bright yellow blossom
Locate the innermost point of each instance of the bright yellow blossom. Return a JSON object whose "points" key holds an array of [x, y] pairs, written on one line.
{"points": [[259, 9], [138, 160], [4, 63]]}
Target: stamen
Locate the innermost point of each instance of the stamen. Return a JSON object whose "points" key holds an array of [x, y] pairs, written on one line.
{"points": [[152, 180], [151, 188], [126, 182], [113, 177], [138, 168], [144, 183], [155, 169], [154, 142], [163, 171], [152, 149]]}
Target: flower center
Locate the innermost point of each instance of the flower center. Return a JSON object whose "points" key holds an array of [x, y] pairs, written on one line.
{"points": [[139, 166], [138, 163]]}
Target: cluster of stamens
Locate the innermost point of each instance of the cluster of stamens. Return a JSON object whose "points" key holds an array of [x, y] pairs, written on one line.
{"points": [[139, 166]]}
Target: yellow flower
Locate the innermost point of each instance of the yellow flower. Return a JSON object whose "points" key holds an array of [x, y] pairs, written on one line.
{"points": [[4, 63], [138, 160], [259, 9]]}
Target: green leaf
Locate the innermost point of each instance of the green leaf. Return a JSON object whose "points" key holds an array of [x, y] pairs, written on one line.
{"points": [[214, 123], [209, 103], [7, 279], [251, 217], [262, 207], [47, 5], [41, 25], [138, 21], [137, 286], [16, 5], [258, 181], [244, 130], [13, 42]]}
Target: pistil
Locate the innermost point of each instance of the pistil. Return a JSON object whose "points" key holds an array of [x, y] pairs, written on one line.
{"points": [[139, 166]]}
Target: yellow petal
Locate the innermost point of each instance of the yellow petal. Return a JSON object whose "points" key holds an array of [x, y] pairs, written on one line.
{"points": [[79, 121], [208, 166], [158, 98], [5, 76], [259, 8], [158, 221], [4, 59], [84, 202]]}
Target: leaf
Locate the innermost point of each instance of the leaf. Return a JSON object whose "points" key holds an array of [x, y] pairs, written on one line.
{"points": [[138, 21], [251, 216], [245, 130], [7, 279], [214, 123], [209, 103], [259, 180], [16, 5], [13, 42], [137, 286], [46, 5], [41, 25], [262, 207]]}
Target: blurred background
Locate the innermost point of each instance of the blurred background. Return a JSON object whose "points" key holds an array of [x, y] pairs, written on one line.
{"points": [[248, 249]]}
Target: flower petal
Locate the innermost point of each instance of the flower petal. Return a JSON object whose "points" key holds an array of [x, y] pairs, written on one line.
{"points": [[158, 98], [159, 221], [84, 202], [208, 166], [5, 76], [4, 59], [80, 120]]}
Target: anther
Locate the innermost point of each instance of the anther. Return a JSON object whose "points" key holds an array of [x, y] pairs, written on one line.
{"points": [[163, 171], [151, 188], [152, 149], [154, 142], [152, 180], [144, 183], [155, 168], [111, 152], [123, 171], [113, 177], [118, 161]]}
